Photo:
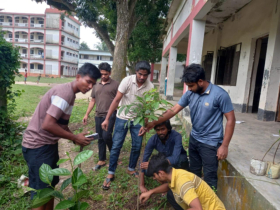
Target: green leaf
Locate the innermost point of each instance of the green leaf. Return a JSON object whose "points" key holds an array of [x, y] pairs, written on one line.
{"points": [[142, 122], [83, 156], [60, 172], [58, 194], [45, 192], [127, 110], [44, 173], [37, 202], [84, 206], [137, 120], [81, 180], [65, 184], [76, 175], [121, 109], [62, 161], [65, 204], [156, 105], [81, 194], [140, 99]]}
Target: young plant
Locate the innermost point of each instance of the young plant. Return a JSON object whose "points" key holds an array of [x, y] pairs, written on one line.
{"points": [[143, 110], [77, 179]]}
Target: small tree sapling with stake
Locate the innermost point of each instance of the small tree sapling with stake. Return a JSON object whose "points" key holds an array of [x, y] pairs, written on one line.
{"points": [[143, 110]]}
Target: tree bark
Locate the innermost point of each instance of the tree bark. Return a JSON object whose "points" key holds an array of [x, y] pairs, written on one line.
{"points": [[125, 23]]}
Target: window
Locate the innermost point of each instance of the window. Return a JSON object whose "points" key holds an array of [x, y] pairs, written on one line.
{"points": [[85, 56], [40, 66], [31, 51], [31, 66], [207, 64], [227, 65], [67, 53], [10, 20], [111, 58], [68, 39], [41, 37], [24, 36], [31, 36], [41, 22], [77, 29], [10, 35], [24, 65], [1, 20], [98, 57], [24, 51], [69, 24], [24, 21], [17, 35]]}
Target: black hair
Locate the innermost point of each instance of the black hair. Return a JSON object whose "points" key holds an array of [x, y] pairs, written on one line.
{"points": [[166, 123], [90, 70], [143, 65], [105, 66], [193, 73], [158, 163]]}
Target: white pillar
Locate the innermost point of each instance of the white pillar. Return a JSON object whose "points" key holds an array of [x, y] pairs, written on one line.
{"points": [[215, 56], [171, 72], [162, 75], [271, 77]]}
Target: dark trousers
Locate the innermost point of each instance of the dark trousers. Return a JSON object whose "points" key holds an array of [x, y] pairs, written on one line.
{"points": [[105, 137], [203, 156]]}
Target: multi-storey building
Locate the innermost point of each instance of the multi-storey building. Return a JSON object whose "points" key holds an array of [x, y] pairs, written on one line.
{"points": [[95, 57], [48, 43]]}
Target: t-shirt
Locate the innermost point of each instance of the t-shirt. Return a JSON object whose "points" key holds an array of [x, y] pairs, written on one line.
{"points": [[129, 88], [39, 77], [206, 112], [25, 74], [186, 187], [104, 95], [57, 102]]}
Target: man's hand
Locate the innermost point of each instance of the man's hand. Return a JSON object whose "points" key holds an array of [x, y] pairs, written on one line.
{"points": [[145, 196], [81, 140], [144, 165], [143, 130], [143, 189], [222, 152], [105, 125], [85, 119]]}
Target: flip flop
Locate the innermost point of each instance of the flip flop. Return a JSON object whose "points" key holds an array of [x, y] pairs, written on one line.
{"points": [[107, 181], [98, 167], [135, 174]]}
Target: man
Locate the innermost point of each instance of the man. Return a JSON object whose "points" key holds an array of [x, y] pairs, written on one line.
{"points": [[190, 191], [208, 104], [38, 79], [50, 123], [129, 87], [25, 76], [103, 93], [169, 143]]}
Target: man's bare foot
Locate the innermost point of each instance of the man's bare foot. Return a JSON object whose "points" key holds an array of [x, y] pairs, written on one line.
{"points": [[107, 182], [133, 173], [101, 163]]}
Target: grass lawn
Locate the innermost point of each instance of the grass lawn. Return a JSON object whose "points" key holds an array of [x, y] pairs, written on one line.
{"points": [[28, 101], [45, 79]]}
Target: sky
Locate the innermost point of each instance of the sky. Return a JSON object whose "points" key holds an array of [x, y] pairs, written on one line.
{"points": [[29, 6]]}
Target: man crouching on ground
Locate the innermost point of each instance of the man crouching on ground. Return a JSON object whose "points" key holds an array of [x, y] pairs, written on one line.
{"points": [[190, 191], [50, 123]]}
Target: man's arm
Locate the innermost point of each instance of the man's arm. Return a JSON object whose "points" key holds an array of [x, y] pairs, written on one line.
{"points": [[161, 189], [165, 116], [195, 205], [50, 124], [90, 107], [113, 107], [174, 158], [222, 152], [142, 183]]}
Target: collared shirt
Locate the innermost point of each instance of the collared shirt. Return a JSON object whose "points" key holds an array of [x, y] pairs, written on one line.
{"points": [[104, 95], [57, 102], [187, 186], [129, 88], [172, 149], [206, 112]]}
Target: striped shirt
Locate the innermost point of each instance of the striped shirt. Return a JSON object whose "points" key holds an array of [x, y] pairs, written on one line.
{"points": [[57, 102], [186, 187]]}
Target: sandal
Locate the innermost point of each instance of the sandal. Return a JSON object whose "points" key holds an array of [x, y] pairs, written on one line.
{"points": [[107, 181], [135, 174], [98, 167]]}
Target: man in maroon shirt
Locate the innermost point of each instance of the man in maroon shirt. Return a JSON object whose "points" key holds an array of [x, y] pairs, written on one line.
{"points": [[50, 123]]}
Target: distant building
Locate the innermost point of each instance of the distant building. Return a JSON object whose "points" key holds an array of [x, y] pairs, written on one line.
{"points": [[49, 43]]}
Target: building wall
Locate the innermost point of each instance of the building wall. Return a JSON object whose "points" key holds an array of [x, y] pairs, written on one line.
{"points": [[52, 20], [250, 23], [52, 52]]}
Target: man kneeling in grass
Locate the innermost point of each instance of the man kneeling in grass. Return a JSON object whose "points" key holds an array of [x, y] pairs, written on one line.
{"points": [[190, 191]]}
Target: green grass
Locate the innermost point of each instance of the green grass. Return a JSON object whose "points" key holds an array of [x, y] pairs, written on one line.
{"points": [[28, 101], [45, 79]]}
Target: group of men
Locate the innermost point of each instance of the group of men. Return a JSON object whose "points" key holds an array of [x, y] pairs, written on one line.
{"points": [[208, 144]]}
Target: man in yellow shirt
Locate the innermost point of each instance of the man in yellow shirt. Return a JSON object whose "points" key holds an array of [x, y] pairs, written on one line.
{"points": [[190, 191]]}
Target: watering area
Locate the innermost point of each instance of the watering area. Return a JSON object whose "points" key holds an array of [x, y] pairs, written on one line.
{"points": [[237, 187]]}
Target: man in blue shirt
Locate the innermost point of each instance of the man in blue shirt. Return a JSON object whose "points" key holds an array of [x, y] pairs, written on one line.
{"points": [[208, 104], [169, 143]]}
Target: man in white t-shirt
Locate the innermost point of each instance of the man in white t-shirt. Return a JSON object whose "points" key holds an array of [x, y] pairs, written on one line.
{"points": [[128, 89]]}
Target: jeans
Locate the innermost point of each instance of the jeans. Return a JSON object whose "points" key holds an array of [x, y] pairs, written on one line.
{"points": [[105, 137], [204, 156], [118, 140]]}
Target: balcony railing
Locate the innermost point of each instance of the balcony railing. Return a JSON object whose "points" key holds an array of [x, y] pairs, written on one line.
{"points": [[6, 24], [23, 55], [36, 56], [21, 24], [9, 39], [37, 40], [37, 25], [21, 69], [21, 40], [39, 71]]}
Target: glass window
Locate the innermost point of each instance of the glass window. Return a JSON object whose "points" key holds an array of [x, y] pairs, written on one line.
{"points": [[40, 66], [31, 66]]}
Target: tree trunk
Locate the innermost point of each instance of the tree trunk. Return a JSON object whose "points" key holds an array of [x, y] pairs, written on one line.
{"points": [[125, 20]]}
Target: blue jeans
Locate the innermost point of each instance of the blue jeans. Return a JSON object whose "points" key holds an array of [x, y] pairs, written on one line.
{"points": [[203, 156], [118, 140]]}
